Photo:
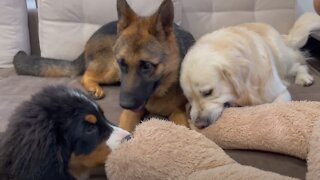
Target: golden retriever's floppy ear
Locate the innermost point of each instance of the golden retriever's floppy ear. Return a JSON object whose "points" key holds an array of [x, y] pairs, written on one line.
{"points": [[125, 15], [161, 22], [235, 81]]}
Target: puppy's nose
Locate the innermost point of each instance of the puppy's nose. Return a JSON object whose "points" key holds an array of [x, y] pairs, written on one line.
{"points": [[127, 138], [202, 123]]}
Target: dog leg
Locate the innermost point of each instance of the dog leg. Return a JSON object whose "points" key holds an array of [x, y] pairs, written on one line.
{"points": [[303, 78], [129, 119], [283, 97], [91, 84], [179, 117], [91, 81]]}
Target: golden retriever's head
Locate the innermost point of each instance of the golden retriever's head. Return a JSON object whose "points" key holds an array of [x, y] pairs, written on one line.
{"points": [[208, 86]]}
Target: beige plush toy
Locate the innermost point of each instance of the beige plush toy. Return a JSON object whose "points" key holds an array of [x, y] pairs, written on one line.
{"points": [[162, 150]]}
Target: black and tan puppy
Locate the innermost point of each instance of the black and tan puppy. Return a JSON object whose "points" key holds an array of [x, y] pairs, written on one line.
{"points": [[59, 134], [144, 53]]}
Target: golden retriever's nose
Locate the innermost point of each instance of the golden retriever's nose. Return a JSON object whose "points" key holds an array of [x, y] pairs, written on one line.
{"points": [[202, 123]]}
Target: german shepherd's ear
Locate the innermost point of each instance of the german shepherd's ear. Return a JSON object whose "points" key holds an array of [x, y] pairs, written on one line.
{"points": [[125, 15], [161, 22]]}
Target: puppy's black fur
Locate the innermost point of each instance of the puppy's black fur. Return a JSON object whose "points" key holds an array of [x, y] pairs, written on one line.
{"points": [[44, 132]]}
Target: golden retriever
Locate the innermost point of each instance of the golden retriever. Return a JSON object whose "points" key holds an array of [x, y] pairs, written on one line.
{"points": [[244, 65]]}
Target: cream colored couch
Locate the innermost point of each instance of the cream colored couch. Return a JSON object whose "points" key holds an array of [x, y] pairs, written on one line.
{"points": [[64, 27], [72, 22]]}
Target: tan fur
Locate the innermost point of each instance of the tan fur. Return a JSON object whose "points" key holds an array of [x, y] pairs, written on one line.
{"points": [[142, 52], [79, 164], [129, 119], [134, 45], [54, 72], [90, 118], [102, 67]]}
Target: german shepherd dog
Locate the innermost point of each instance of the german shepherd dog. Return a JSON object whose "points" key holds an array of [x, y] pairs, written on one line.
{"points": [[143, 53]]}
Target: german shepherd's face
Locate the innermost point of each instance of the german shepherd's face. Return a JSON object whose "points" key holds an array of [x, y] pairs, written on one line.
{"points": [[141, 51]]}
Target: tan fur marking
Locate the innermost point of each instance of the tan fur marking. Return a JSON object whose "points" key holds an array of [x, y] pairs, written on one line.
{"points": [[179, 117], [81, 163], [55, 72], [129, 119], [90, 118]]}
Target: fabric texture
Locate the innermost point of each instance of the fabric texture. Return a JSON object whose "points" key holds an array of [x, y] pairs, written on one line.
{"points": [[277, 127], [210, 15], [14, 33], [163, 150]]}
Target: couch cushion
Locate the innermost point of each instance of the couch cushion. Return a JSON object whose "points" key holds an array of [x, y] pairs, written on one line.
{"points": [[14, 34], [209, 15], [70, 23]]}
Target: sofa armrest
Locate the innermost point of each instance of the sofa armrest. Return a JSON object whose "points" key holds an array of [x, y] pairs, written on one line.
{"points": [[33, 27]]}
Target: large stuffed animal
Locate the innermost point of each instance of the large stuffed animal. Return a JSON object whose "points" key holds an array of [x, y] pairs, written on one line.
{"points": [[163, 150]]}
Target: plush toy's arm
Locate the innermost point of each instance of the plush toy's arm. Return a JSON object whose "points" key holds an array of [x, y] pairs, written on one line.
{"points": [[278, 127]]}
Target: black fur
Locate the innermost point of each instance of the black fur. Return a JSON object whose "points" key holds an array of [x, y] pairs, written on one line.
{"points": [[44, 132]]}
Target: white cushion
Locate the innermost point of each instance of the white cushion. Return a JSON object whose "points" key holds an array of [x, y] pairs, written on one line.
{"points": [[65, 26], [14, 34], [204, 16]]}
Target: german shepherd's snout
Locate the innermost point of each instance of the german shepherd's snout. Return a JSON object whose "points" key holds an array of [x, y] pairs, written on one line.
{"points": [[137, 84]]}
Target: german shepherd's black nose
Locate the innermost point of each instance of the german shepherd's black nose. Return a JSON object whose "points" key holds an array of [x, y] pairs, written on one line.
{"points": [[131, 103]]}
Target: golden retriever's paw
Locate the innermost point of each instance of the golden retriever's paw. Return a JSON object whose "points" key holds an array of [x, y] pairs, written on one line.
{"points": [[304, 79], [97, 92]]}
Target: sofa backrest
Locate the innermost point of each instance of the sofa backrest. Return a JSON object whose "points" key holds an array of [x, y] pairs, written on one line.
{"points": [[65, 26], [14, 34], [203, 16]]}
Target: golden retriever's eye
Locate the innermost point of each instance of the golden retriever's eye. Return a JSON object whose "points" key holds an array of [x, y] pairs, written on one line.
{"points": [[207, 93]]}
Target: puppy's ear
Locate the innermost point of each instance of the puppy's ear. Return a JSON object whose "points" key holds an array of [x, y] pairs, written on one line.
{"points": [[125, 15], [161, 22], [236, 82]]}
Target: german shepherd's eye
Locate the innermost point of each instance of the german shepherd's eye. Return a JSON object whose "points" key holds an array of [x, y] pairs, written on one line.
{"points": [[90, 128], [207, 93], [123, 65], [146, 67]]}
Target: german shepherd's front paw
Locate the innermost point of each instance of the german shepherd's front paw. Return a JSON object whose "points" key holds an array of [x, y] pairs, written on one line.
{"points": [[97, 92]]}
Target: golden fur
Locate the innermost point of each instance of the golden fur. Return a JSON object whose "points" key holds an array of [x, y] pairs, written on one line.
{"points": [[244, 65]]}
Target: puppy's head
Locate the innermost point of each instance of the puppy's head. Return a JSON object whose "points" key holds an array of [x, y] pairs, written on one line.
{"points": [[58, 128], [82, 127], [141, 50], [81, 122], [208, 87]]}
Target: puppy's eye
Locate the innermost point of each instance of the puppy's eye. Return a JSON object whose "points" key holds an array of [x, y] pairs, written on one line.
{"points": [[207, 93], [146, 67], [123, 65], [91, 128]]}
